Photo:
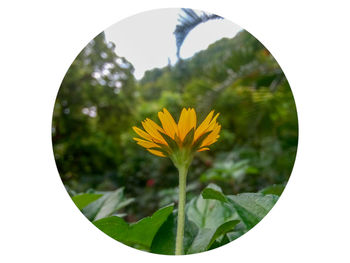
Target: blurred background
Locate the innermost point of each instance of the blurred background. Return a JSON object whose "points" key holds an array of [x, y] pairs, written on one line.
{"points": [[175, 58]]}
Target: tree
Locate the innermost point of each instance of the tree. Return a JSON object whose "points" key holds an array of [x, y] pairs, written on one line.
{"points": [[92, 109]]}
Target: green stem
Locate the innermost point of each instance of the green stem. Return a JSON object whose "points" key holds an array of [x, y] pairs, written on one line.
{"points": [[181, 210]]}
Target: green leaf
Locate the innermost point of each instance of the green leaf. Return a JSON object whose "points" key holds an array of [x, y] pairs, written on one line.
{"points": [[223, 229], [239, 230], [82, 200], [276, 189], [140, 233], [206, 237], [106, 205], [220, 242], [252, 207], [206, 213], [212, 217], [209, 193], [165, 239], [201, 241]]}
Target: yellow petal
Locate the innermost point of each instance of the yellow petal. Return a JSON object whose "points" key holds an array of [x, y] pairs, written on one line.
{"points": [[193, 119], [182, 124], [155, 125], [155, 152], [146, 144], [187, 121], [171, 120], [153, 136], [213, 122], [142, 133], [203, 149], [203, 126], [212, 137], [152, 130], [168, 123]]}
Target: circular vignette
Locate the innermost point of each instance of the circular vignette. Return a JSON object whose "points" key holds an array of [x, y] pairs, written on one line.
{"points": [[175, 131]]}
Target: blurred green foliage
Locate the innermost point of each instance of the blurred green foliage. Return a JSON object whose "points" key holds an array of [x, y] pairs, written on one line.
{"points": [[100, 100]]}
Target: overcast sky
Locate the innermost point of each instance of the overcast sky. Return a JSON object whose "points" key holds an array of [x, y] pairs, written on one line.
{"points": [[147, 39]]}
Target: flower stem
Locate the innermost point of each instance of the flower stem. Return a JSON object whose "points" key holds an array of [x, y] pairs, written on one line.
{"points": [[181, 210]]}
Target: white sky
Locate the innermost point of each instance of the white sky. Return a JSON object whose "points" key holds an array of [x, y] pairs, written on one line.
{"points": [[147, 39]]}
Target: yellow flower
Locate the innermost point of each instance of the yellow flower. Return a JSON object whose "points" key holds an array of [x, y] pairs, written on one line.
{"points": [[179, 141], [182, 137]]}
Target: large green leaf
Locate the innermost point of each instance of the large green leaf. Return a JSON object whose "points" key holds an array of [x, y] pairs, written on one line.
{"points": [[223, 229], [138, 234], [252, 207], [220, 242], [164, 241], [207, 213], [213, 218], [239, 230], [82, 200], [106, 205], [207, 236]]}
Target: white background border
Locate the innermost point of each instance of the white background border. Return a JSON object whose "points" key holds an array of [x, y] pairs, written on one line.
{"points": [[40, 39]]}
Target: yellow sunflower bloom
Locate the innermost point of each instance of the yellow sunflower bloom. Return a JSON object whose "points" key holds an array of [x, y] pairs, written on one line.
{"points": [[173, 137]]}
